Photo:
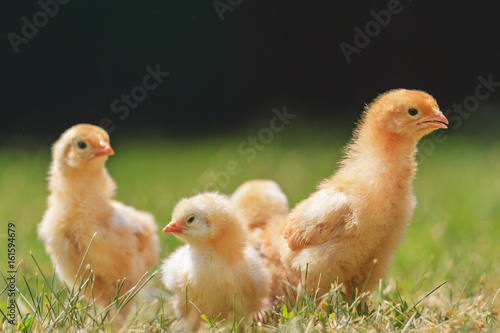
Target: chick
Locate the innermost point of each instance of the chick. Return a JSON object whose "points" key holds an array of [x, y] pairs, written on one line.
{"points": [[217, 272], [80, 204], [265, 207], [357, 218], [260, 202]]}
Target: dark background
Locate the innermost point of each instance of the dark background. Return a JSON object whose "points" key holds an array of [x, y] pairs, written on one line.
{"points": [[225, 74]]}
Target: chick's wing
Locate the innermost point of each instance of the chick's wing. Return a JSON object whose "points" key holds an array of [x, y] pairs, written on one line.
{"points": [[315, 219], [128, 220]]}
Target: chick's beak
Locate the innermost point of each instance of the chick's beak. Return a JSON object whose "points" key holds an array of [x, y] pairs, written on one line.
{"points": [[172, 227], [104, 151], [438, 121]]}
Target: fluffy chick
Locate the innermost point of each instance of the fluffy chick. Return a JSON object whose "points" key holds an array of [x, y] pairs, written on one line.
{"points": [[260, 201], [80, 204], [358, 217], [217, 268], [265, 207]]}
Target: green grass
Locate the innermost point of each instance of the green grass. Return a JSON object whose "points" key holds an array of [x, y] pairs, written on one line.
{"points": [[453, 238]]}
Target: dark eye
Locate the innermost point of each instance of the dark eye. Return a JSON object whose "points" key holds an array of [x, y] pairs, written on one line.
{"points": [[190, 219], [81, 145], [412, 112]]}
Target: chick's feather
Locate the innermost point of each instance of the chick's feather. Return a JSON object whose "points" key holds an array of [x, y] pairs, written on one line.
{"points": [[80, 205], [357, 218], [261, 202], [217, 271], [265, 208]]}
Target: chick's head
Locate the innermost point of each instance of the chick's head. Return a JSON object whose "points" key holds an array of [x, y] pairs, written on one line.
{"points": [[408, 113], [204, 218], [82, 146]]}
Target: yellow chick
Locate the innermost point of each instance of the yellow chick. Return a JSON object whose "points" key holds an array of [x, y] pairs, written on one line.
{"points": [[80, 204], [218, 272], [358, 217], [260, 202], [265, 207]]}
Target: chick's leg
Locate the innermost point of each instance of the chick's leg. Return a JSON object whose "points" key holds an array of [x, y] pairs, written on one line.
{"points": [[193, 321]]}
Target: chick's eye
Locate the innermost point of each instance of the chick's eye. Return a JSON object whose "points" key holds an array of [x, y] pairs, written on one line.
{"points": [[412, 112], [81, 145], [190, 219]]}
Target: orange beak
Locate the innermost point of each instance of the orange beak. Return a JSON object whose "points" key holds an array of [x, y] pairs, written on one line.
{"points": [[104, 151], [172, 227], [439, 121]]}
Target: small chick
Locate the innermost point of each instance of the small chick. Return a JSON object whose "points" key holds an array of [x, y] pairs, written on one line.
{"points": [[260, 202], [80, 204], [357, 218], [265, 207], [217, 271]]}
